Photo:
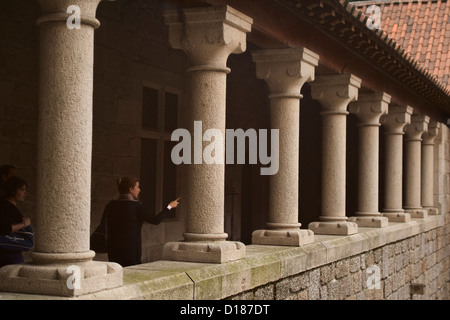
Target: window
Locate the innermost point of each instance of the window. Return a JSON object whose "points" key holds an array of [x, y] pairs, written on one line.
{"points": [[160, 106]]}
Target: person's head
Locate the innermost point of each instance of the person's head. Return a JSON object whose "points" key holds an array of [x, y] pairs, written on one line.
{"points": [[7, 171], [15, 189], [129, 185]]}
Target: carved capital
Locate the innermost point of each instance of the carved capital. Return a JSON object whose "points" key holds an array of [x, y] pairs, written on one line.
{"points": [[370, 107], [334, 92], [208, 35], [418, 125], [433, 130], [396, 119], [285, 70]]}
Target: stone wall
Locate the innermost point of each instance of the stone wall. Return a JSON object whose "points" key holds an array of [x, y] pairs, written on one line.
{"points": [[333, 267], [421, 259]]}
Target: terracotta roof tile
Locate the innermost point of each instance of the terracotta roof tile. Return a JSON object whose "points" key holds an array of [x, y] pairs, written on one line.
{"points": [[421, 27]]}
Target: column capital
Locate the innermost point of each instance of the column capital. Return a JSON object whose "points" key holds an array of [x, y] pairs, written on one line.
{"points": [[334, 92], [370, 107], [58, 11], [285, 70], [208, 35], [433, 129], [397, 118], [418, 125]]}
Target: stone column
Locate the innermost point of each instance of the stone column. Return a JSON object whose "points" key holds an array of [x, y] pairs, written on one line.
{"points": [[427, 178], [334, 93], [285, 71], [369, 108], [62, 262], [413, 167], [394, 123], [208, 35]]}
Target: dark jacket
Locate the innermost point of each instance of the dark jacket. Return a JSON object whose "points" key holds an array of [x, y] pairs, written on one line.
{"points": [[9, 215], [124, 224]]}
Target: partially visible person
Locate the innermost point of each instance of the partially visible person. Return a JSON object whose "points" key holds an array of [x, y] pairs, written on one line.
{"points": [[125, 217], [11, 219], [6, 171]]}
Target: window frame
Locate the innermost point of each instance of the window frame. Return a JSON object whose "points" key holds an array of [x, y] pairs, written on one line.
{"points": [[160, 135]]}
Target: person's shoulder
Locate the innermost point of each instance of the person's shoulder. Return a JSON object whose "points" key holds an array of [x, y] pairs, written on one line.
{"points": [[124, 203], [5, 203]]}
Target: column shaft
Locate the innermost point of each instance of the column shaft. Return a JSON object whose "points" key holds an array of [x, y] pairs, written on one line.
{"points": [[334, 128], [207, 191], [368, 170], [285, 115], [393, 177], [65, 139]]}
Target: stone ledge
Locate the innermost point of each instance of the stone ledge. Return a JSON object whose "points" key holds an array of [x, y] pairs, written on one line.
{"points": [[172, 280]]}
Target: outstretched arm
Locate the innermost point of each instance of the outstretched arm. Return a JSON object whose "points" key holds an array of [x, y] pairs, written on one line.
{"points": [[165, 213]]}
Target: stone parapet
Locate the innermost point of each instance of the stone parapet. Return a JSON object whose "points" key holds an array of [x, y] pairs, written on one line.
{"points": [[275, 271]]}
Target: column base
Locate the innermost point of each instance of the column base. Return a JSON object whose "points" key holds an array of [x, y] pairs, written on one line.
{"points": [[295, 238], [417, 212], [204, 251], [343, 228], [399, 216], [432, 210], [61, 279], [376, 221]]}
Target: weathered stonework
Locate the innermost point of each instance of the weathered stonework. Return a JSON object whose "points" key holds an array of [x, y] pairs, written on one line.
{"points": [[208, 36], [334, 93], [369, 108], [132, 51], [394, 123], [285, 71], [374, 264]]}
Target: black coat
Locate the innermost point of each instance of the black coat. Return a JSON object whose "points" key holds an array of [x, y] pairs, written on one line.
{"points": [[124, 224], [9, 215]]}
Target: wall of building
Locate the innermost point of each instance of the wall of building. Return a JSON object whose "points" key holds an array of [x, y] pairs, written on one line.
{"points": [[19, 64]]}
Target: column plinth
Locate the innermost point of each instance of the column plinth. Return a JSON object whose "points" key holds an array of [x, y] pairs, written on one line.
{"points": [[334, 93], [62, 261], [285, 71], [208, 35], [413, 167], [369, 108], [427, 181]]}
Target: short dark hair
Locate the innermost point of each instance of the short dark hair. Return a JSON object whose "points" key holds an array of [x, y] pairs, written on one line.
{"points": [[12, 185], [124, 184]]}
